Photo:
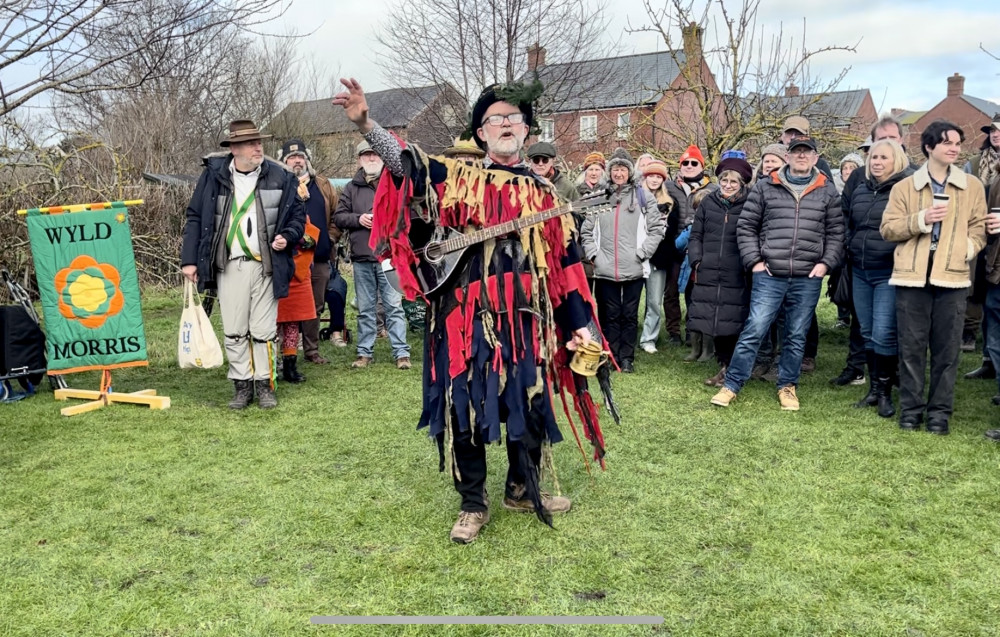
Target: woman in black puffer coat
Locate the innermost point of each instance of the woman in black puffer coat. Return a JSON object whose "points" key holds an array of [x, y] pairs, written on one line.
{"points": [[720, 297], [871, 260]]}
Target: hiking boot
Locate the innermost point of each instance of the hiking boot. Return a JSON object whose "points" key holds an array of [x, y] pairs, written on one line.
{"points": [[848, 377], [289, 370], [627, 367], [243, 396], [724, 397], [552, 503], [467, 527], [808, 365], [338, 339], [716, 381], [759, 371], [675, 340], [771, 375], [789, 401], [265, 394], [362, 362], [316, 359], [969, 342], [403, 362]]}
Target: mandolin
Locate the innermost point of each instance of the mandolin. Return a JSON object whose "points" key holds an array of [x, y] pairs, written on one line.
{"points": [[441, 257]]}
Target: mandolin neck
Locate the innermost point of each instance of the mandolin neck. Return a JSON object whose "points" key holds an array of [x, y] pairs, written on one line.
{"points": [[507, 227]]}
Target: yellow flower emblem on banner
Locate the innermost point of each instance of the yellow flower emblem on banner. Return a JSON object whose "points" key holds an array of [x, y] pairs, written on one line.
{"points": [[89, 292]]}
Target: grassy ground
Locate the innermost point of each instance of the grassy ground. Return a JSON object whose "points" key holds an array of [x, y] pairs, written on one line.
{"points": [[746, 521]]}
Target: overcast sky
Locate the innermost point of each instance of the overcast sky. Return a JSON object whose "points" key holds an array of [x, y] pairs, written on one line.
{"points": [[907, 48]]}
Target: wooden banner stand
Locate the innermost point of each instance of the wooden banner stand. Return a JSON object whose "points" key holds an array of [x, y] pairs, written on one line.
{"points": [[105, 396]]}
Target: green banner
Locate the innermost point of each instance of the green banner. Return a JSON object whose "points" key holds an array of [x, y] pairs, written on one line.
{"points": [[90, 291]]}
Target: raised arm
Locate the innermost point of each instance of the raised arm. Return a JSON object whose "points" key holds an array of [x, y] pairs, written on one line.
{"points": [[356, 108]]}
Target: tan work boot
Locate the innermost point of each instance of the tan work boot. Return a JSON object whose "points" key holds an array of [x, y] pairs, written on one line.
{"points": [[403, 362], [362, 362], [467, 527], [789, 401], [724, 397], [522, 504]]}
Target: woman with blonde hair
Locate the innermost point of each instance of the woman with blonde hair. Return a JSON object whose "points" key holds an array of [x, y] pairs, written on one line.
{"points": [[871, 260]]}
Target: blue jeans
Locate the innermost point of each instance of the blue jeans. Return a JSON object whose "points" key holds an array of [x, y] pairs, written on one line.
{"points": [[656, 283], [875, 303], [991, 318], [798, 296], [369, 282]]}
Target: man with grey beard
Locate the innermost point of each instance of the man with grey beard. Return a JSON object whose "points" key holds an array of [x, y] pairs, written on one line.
{"points": [[320, 202], [496, 329], [243, 220], [354, 214]]}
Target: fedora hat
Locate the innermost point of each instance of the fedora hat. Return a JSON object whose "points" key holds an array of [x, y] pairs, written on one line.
{"points": [[242, 130], [993, 124]]}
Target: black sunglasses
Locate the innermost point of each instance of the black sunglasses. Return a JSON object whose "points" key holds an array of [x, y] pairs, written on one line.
{"points": [[690, 162], [541, 159]]}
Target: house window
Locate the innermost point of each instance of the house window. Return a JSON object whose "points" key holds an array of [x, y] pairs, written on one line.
{"points": [[624, 125], [548, 130], [588, 128]]}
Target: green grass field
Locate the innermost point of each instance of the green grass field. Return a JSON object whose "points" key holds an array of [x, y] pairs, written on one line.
{"points": [[746, 521]]}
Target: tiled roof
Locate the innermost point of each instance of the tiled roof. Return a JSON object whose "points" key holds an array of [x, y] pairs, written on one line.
{"points": [[392, 108], [837, 108], [629, 80], [986, 107]]}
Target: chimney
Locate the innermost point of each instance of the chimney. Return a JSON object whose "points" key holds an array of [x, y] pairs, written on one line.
{"points": [[791, 91], [691, 36], [536, 56], [956, 85]]}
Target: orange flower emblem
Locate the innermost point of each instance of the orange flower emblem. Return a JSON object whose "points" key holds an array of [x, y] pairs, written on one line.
{"points": [[89, 292]]}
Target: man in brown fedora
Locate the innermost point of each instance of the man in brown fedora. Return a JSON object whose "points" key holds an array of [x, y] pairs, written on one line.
{"points": [[243, 220]]}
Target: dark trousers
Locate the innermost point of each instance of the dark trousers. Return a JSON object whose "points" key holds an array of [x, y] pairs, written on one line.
{"points": [[856, 358], [724, 348], [310, 329], [470, 466], [618, 312], [929, 317], [672, 301]]}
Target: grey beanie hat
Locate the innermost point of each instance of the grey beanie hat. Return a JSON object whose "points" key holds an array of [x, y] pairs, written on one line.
{"points": [[621, 158]]}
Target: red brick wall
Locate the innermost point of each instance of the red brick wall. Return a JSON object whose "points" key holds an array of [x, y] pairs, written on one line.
{"points": [[956, 110]]}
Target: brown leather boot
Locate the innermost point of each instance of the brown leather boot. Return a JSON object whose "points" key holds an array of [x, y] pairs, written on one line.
{"points": [[467, 527]]}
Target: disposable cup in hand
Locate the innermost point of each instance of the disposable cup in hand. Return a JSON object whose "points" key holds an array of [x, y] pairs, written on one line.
{"points": [[941, 199], [995, 214]]}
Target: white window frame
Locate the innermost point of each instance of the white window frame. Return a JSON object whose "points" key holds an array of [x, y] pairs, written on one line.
{"points": [[588, 128], [548, 127], [624, 127]]}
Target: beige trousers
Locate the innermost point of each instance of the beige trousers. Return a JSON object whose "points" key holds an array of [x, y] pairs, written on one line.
{"points": [[249, 319]]}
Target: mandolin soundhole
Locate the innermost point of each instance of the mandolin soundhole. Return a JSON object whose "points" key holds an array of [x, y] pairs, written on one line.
{"points": [[433, 252]]}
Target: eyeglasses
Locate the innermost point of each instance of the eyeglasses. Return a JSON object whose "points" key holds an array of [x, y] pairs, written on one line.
{"points": [[540, 159], [690, 162], [496, 120]]}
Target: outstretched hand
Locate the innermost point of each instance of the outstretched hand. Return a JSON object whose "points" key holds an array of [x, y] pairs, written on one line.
{"points": [[354, 103]]}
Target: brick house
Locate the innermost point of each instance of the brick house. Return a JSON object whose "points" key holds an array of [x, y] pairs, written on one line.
{"points": [[836, 116], [968, 112], [629, 101], [424, 115]]}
